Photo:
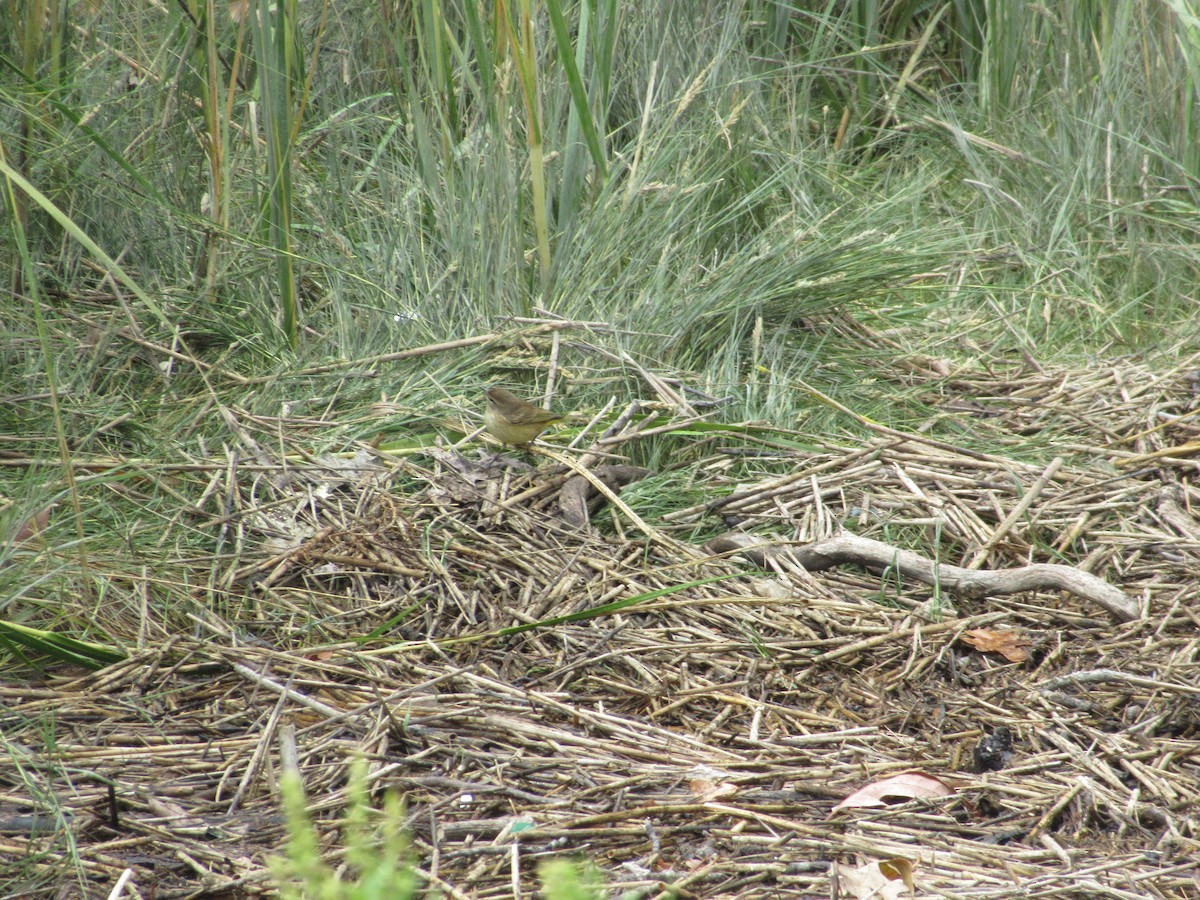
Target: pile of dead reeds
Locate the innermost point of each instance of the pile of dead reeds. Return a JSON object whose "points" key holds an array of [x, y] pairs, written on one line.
{"points": [[539, 684]]}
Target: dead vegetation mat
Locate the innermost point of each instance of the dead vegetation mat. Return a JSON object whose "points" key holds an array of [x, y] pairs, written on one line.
{"points": [[687, 720]]}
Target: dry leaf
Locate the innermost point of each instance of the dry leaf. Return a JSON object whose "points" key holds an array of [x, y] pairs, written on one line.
{"points": [[899, 869], [909, 786], [1008, 642], [28, 530], [876, 881]]}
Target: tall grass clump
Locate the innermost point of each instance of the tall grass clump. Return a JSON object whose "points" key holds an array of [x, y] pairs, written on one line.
{"points": [[1094, 189], [400, 176]]}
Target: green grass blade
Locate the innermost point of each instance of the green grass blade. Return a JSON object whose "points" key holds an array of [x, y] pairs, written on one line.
{"points": [[567, 56], [58, 646], [274, 45]]}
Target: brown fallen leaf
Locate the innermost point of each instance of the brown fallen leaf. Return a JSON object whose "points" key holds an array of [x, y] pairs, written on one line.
{"points": [[884, 880], [33, 526], [1008, 642], [899, 869], [908, 786]]}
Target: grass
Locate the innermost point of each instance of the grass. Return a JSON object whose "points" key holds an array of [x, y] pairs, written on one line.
{"points": [[376, 863], [218, 228]]}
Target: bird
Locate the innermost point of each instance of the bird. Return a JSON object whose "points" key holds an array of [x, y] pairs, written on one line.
{"points": [[512, 420]]}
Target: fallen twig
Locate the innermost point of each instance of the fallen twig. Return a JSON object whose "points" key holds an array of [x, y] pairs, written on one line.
{"points": [[878, 556]]}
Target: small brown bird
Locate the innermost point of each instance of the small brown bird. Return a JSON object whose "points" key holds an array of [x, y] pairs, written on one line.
{"points": [[511, 420]]}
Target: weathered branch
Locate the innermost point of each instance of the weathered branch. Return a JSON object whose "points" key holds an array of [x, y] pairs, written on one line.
{"points": [[878, 556]]}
